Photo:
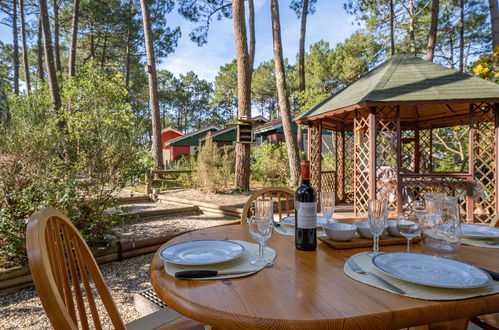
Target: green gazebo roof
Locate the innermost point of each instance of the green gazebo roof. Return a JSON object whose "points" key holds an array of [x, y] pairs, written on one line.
{"points": [[410, 80]]}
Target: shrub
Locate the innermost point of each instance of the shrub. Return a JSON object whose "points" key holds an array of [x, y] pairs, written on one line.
{"points": [[214, 167], [75, 167], [269, 164]]}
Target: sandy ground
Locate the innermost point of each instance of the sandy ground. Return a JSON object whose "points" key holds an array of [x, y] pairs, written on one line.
{"points": [[222, 199]]}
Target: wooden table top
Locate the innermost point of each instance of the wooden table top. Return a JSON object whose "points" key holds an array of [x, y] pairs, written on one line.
{"points": [[306, 290]]}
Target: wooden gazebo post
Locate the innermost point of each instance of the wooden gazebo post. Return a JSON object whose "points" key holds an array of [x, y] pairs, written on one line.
{"points": [[315, 153]]}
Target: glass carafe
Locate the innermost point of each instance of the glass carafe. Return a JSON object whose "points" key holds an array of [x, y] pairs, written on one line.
{"points": [[442, 224]]}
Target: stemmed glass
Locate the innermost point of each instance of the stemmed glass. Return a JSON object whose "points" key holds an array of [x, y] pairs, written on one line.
{"points": [[327, 205], [264, 208], [260, 228], [377, 213], [410, 226]]}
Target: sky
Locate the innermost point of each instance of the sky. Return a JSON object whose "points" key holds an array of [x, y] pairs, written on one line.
{"points": [[330, 22]]}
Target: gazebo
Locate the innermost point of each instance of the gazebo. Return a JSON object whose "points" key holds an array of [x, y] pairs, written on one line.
{"points": [[383, 131]]}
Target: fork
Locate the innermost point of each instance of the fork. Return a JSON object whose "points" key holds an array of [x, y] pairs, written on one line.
{"points": [[355, 267]]}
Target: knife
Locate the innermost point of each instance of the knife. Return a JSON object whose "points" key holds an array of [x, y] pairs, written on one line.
{"points": [[494, 275], [200, 273]]}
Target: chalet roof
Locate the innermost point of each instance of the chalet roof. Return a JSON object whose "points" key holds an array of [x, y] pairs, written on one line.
{"points": [[272, 124], [189, 135], [407, 79], [220, 132], [171, 129]]}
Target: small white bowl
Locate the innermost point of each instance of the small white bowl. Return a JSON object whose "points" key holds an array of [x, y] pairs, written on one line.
{"points": [[364, 230], [392, 228], [339, 231]]}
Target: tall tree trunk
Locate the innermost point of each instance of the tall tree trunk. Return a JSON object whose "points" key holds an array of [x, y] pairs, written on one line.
{"points": [[49, 56], [128, 48], [290, 137], [251, 26], [15, 53], [153, 86], [301, 64], [494, 22], [243, 92], [392, 23], [103, 56], [25, 47], [39, 42], [461, 36], [57, 48], [412, 38], [451, 48], [432, 36], [74, 38]]}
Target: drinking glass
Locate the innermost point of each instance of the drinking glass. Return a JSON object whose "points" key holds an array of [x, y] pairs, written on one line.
{"points": [[260, 228], [263, 208], [377, 213], [410, 225], [327, 205]]}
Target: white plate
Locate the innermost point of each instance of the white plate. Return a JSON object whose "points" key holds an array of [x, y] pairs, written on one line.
{"points": [[202, 252], [431, 270], [479, 232], [291, 220]]}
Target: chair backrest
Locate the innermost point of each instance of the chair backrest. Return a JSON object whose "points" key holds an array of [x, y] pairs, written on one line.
{"points": [[61, 262], [283, 197]]}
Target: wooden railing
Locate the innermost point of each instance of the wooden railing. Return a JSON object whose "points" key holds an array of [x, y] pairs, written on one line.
{"points": [[167, 176]]}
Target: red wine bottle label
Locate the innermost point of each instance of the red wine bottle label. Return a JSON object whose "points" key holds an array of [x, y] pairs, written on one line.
{"points": [[307, 215]]}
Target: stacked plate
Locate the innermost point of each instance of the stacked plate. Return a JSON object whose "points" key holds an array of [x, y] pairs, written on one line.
{"points": [[431, 270], [202, 252], [480, 232]]}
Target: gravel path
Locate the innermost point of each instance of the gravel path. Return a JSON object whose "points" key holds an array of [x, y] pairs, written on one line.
{"points": [[227, 199], [23, 309], [163, 226]]}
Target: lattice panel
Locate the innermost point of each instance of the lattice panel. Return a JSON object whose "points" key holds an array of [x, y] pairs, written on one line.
{"points": [[415, 187], [425, 136], [315, 146], [407, 153], [386, 156], [327, 183], [361, 168], [349, 165], [484, 163]]}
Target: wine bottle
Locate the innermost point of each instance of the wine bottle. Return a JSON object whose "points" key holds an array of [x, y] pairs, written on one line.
{"points": [[306, 212]]}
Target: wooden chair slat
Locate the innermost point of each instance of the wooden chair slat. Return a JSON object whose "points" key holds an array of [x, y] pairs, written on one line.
{"points": [[86, 284], [55, 263], [62, 265], [279, 206], [75, 279]]}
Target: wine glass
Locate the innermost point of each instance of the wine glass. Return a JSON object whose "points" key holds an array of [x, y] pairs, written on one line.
{"points": [[260, 228], [410, 225], [377, 213], [327, 204], [264, 208]]}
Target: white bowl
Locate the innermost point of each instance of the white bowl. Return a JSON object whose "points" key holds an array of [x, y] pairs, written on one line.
{"points": [[364, 230], [392, 228], [339, 231]]}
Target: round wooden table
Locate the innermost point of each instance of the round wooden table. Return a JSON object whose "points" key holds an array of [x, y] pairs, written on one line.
{"points": [[308, 290]]}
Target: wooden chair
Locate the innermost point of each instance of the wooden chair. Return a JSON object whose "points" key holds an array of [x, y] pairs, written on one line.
{"points": [[60, 262], [283, 197]]}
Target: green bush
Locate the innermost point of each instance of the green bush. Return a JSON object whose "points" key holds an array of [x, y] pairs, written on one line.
{"points": [[73, 160], [269, 164], [214, 169]]}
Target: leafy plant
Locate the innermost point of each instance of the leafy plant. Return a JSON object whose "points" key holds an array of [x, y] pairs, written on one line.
{"points": [[73, 160], [269, 164]]}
